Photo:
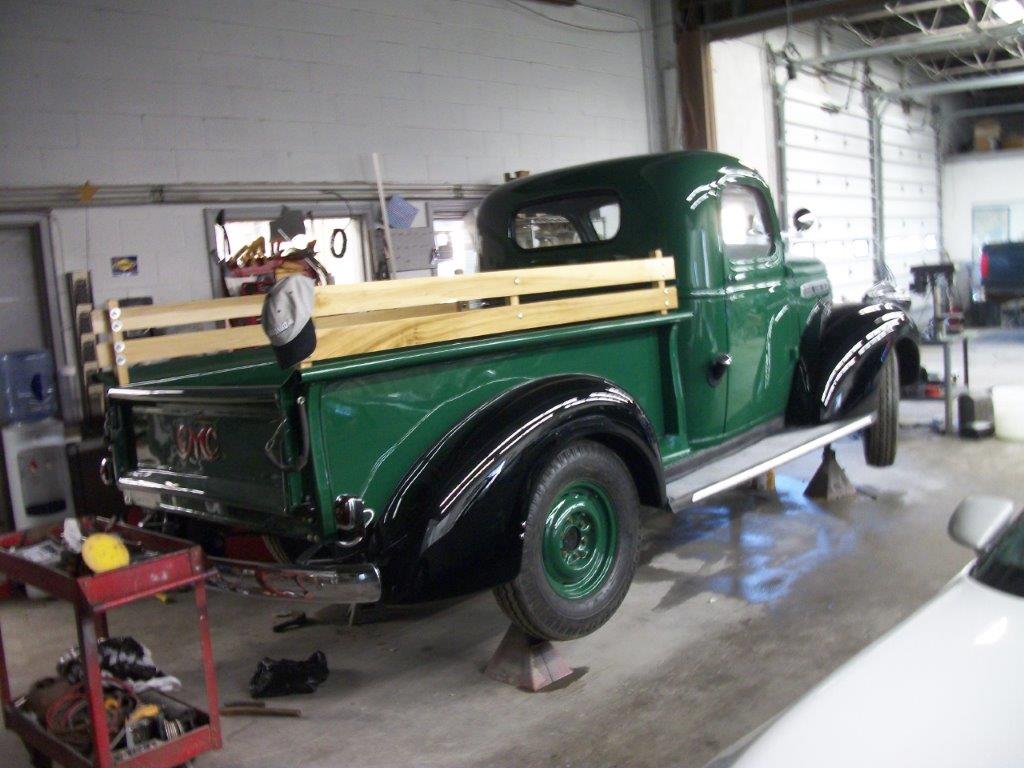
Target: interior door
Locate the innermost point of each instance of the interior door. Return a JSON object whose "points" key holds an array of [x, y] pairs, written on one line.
{"points": [[756, 306], [21, 310]]}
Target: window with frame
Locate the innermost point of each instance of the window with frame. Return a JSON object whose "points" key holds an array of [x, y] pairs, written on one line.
{"points": [[745, 225], [566, 221]]}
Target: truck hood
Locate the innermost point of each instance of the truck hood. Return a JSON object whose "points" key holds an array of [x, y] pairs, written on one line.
{"points": [[942, 689]]}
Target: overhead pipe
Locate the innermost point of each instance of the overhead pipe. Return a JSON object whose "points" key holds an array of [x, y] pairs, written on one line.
{"points": [[68, 196]]}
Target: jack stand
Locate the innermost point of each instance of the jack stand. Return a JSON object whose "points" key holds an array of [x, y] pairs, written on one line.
{"points": [[527, 663], [830, 481], [765, 482]]}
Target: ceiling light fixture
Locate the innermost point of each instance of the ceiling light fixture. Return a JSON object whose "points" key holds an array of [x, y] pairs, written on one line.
{"points": [[1010, 11]]}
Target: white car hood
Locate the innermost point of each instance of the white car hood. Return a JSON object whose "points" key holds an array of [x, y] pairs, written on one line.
{"points": [[943, 689]]}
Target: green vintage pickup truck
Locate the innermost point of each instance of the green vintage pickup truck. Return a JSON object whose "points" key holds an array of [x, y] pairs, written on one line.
{"points": [[635, 327]]}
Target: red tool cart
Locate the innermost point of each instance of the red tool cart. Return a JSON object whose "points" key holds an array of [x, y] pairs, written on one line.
{"points": [[159, 563]]}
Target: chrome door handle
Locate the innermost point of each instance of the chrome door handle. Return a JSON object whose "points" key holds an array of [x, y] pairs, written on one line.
{"points": [[718, 368]]}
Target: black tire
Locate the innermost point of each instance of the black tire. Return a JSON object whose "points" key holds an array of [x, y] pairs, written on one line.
{"points": [[880, 438], [531, 600]]}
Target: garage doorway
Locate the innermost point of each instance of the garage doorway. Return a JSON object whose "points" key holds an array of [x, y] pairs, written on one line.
{"points": [[229, 229]]}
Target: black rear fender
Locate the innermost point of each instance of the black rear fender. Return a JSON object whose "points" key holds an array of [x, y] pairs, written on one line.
{"points": [[842, 351], [453, 525]]}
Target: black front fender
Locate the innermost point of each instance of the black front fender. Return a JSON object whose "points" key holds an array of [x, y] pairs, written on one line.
{"points": [[453, 525], [842, 350]]}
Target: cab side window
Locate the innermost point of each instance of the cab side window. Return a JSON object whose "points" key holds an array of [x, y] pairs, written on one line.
{"points": [[746, 229]]}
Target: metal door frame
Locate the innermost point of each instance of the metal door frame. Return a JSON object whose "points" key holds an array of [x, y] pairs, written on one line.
{"points": [[38, 225]]}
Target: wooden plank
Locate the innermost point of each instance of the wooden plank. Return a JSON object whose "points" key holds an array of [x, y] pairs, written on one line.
{"points": [[191, 312], [396, 334], [196, 343], [344, 321], [99, 322], [353, 319], [414, 292], [419, 291]]}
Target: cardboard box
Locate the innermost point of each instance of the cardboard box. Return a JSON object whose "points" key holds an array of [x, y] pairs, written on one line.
{"points": [[987, 133]]}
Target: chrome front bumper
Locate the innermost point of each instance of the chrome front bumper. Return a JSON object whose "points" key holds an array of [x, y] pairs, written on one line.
{"points": [[359, 583]]}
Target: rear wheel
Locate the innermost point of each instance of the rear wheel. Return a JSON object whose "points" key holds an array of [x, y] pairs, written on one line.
{"points": [[580, 545], [881, 437]]}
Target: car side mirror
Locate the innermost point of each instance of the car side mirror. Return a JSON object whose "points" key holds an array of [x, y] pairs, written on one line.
{"points": [[977, 520], [803, 220]]}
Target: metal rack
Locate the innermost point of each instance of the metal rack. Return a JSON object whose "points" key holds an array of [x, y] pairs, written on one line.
{"points": [[168, 564]]}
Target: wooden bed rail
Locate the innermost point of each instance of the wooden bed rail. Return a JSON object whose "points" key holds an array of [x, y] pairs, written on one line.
{"points": [[391, 314]]}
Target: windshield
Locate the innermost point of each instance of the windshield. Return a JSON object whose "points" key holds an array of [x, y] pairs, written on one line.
{"points": [[1002, 567]]}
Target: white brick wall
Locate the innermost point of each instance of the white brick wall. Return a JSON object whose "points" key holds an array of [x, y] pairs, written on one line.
{"points": [[162, 91], [283, 90]]}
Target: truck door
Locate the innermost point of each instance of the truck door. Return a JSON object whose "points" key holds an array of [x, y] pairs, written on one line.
{"points": [[756, 307]]}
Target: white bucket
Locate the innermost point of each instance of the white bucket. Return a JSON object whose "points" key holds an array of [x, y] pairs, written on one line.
{"points": [[1008, 409]]}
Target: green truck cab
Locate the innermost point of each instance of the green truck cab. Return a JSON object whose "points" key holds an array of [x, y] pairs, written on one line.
{"points": [[521, 461]]}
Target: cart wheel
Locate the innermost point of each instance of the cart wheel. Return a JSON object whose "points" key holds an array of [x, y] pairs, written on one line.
{"points": [[37, 759]]}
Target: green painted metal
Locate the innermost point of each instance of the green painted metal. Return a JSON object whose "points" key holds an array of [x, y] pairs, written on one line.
{"points": [[373, 416], [372, 428], [579, 540]]}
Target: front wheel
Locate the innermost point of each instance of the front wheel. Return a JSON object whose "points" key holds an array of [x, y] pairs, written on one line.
{"points": [[580, 545], [881, 437]]}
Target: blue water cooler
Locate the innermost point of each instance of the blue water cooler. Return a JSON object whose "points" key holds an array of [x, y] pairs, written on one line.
{"points": [[35, 451]]}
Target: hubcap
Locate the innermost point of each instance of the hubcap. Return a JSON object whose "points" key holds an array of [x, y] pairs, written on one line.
{"points": [[580, 537]]}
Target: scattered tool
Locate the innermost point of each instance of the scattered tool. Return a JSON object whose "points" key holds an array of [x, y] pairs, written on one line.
{"points": [[296, 620], [280, 677], [257, 709]]}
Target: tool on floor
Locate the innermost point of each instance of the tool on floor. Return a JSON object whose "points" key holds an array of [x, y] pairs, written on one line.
{"points": [[257, 709], [296, 620], [280, 677]]}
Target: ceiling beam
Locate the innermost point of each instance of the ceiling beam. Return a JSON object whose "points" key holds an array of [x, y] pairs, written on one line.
{"points": [[993, 109], [993, 66], [891, 10], [1007, 79], [959, 38], [786, 13]]}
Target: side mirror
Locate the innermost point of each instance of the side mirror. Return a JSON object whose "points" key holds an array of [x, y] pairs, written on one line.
{"points": [[803, 220], [977, 520]]}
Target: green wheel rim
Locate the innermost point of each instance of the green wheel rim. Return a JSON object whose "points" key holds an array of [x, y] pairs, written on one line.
{"points": [[580, 539]]}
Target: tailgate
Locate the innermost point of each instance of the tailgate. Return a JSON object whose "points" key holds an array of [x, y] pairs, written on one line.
{"points": [[202, 450]]}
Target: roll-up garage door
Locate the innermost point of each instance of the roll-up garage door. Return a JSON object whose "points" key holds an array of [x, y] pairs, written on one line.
{"points": [[828, 171], [910, 190]]}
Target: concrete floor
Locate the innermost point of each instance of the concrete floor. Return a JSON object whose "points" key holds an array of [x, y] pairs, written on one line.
{"points": [[740, 606]]}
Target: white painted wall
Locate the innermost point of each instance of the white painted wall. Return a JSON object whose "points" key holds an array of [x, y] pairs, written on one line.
{"points": [[161, 91], [285, 90], [744, 122], [979, 178]]}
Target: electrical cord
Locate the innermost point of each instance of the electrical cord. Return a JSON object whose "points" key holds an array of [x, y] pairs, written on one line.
{"points": [[584, 27]]}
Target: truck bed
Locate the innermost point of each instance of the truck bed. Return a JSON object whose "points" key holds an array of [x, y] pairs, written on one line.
{"points": [[725, 472]]}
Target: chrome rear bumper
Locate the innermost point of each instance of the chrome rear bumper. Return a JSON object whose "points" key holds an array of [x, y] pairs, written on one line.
{"points": [[359, 583]]}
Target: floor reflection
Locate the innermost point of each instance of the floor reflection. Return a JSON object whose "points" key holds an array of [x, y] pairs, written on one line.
{"points": [[752, 545]]}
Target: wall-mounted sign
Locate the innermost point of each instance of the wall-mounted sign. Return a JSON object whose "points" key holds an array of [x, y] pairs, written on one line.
{"points": [[124, 265]]}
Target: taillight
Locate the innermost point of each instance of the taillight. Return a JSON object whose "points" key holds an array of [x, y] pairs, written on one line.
{"points": [[983, 265]]}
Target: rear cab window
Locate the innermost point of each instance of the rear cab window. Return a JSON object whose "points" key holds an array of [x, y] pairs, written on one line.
{"points": [[746, 227], [567, 221]]}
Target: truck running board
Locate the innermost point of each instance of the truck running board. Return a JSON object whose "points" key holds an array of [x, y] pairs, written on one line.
{"points": [[728, 471]]}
